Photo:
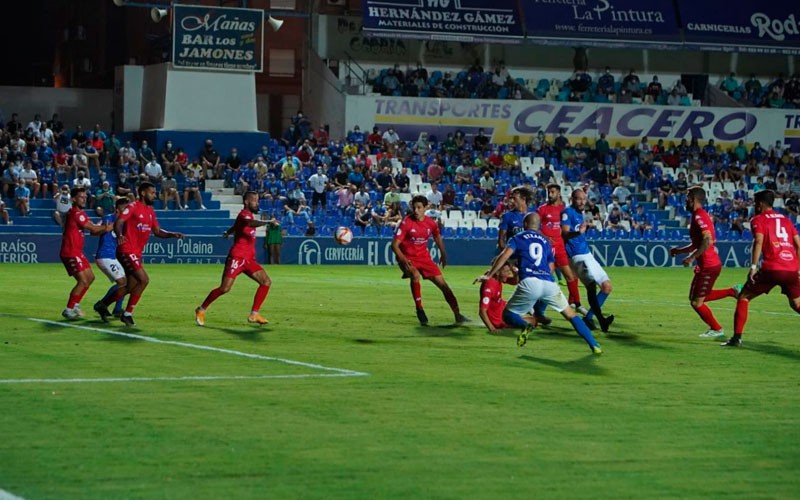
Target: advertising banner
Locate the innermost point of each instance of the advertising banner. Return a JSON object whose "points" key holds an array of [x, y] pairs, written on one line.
{"points": [[36, 249], [627, 22], [508, 122], [748, 26], [457, 20], [218, 38]]}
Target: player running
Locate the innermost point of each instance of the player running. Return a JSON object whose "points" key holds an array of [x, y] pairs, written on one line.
{"points": [[133, 228], [709, 266], [242, 259], [106, 256], [410, 246], [776, 240], [536, 268], [582, 261], [75, 262], [550, 214]]}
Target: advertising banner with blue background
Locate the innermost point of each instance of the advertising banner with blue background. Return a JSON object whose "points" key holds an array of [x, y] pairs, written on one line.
{"points": [[742, 26], [458, 20], [514, 122], [627, 22], [34, 249], [218, 38]]}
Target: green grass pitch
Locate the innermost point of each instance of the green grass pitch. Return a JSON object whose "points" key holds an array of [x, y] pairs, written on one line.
{"points": [[348, 397]]}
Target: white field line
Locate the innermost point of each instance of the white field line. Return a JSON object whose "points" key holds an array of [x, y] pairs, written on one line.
{"points": [[337, 372], [160, 379], [4, 495]]}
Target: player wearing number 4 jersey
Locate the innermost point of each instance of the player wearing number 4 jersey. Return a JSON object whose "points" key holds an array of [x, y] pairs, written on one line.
{"points": [[76, 263], [776, 242], [133, 228], [536, 267], [242, 259], [702, 249]]}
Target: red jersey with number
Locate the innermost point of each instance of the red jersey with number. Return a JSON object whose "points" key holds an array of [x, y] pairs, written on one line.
{"points": [[778, 249], [551, 221], [701, 222], [138, 219], [72, 241], [244, 237], [492, 301], [414, 235]]}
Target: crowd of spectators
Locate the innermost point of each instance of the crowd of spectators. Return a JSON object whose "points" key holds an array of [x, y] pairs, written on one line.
{"points": [[312, 182], [781, 92]]}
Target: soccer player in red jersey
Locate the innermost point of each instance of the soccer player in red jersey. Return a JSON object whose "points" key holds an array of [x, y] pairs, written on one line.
{"points": [[410, 246], [242, 259], [133, 227], [491, 305], [76, 263], [550, 213], [776, 240], [708, 266]]}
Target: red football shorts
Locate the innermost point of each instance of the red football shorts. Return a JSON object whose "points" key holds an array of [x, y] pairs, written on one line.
{"points": [[426, 266], [560, 251], [765, 280], [131, 262], [496, 314], [703, 282], [234, 266], [74, 265]]}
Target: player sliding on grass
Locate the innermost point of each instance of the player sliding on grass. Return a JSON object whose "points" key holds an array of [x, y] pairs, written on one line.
{"points": [[536, 267], [492, 305], [76, 263], [775, 239], [133, 227], [709, 266], [410, 246], [241, 259]]}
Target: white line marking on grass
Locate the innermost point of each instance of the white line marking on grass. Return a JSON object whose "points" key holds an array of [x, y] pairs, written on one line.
{"points": [[160, 379], [4, 495], [341, 372]]}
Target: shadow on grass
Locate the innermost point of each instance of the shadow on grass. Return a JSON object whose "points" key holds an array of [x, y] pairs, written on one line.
{"points": [[364, 341], [251, 333], [772, 349], [586, 364], [454, 330]]}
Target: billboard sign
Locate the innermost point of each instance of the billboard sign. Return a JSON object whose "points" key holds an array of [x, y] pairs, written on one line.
{"points": [[217, 38]]}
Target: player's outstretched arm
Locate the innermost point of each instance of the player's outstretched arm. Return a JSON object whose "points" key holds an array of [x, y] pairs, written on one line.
{"points": [[96, 229], [160, 233]]}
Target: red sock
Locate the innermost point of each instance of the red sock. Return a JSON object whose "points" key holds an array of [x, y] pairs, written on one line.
{"points": [[740, 316], [574, 293], [80, 295], [132, 301], [708, 317], [73, 299], [720, 294], [212, 296], [261, 294], [118, 294], [451, 299], [416, 292]]}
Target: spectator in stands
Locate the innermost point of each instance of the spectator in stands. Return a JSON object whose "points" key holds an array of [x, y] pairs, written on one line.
{"points": [[729, 84], [384, 180], [614, 219], [322, 136], [758, 152], [792, 204], [402, 181], [231, 167], [774, 100], [22, 198], [389, 138], [632, 84], [191, 188], [719, 213], [545, 175], [344, 198], [624, 96], [375, 140], [146, 154], [80, 162], [105, 199], [35, 124], [209, 158], [127, 153], [356, 136], [752, 88], [709, 152], [487, 183], [782, 187], [4, 213], [674, 98], [112, 151], [605, 84], [168, 156], [169, 192], [356, 177], [434, 171], [481, 141], [153, 172], [303, 127], [665, 189], [435, 196], [288, 168], [580, 82], [640, 221], [362, 196], [30, 178]]}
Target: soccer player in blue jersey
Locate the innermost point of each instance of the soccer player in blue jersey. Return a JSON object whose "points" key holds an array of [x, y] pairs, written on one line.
{"points": [[582, 261], [536, 282], [106, 257]]}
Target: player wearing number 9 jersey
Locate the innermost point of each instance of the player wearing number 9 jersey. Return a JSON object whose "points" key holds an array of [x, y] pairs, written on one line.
{"points": [[776, 240], [536, 283]]}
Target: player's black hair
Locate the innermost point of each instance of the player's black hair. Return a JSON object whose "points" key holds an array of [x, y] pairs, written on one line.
{"points": [[698, 193], [524, 191], [74, 191], [765, 196], [248, 193], [122, 201], [553, 185], [419, 199], [143, 186]]}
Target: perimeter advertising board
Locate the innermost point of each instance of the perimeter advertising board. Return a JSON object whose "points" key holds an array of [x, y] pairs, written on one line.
{"points": [[218, 38]]}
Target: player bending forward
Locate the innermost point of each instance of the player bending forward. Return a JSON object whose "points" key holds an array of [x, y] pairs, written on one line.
{"points": [[536, 267], [242, 259], [410, 246], [775, 239]]}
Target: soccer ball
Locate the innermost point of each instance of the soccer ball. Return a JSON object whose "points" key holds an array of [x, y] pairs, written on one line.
{"points": [[343, 235]]}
